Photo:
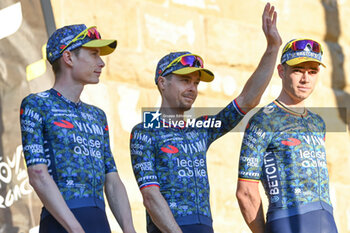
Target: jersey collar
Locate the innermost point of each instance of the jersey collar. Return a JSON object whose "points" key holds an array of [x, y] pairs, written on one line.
{"points": [[283, 107], [60, 96]]}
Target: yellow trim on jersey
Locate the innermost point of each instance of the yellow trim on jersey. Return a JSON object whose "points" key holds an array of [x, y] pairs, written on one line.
{"points": [[248, 180]]}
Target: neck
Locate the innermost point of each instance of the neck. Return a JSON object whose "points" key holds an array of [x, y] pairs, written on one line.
{"points": [[294, 104], [71, 91]]}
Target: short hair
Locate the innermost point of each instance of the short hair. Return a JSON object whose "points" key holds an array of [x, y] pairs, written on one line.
{"points": [[285, 65], [169, 77], [56, 65]]}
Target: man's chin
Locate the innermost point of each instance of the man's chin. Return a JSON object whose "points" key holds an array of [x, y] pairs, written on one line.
{"points": [[96, 81], [303, 96], [186, 107]]}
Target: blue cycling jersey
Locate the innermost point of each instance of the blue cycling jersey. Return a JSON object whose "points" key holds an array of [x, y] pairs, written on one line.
{"points": [[286, 151], [174, 159], [73, 140]]}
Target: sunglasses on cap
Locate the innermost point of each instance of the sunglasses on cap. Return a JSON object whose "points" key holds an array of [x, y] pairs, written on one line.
{"points": [[190, 60], [90, 32], [301, 44]]}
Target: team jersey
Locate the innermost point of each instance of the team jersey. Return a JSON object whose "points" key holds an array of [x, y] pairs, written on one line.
{"points": [[72, 139], [286, 151], [174, 159]]}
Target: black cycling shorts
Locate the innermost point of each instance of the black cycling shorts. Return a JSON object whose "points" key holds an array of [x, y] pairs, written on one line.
{"points": [[92, 219], [194, 228], [319, 221]]}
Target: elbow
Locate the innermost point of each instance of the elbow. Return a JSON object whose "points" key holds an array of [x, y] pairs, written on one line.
{"points": [[250, 106], [241, 195], [32, 181], [147, 201], [248, 102], [246, 195], [247, 200], [252, 102], [35, 181], [151, 197], [37, 177]]}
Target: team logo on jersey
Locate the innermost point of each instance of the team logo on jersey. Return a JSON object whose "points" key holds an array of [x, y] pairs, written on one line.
{"points": [[43, 94], [64, 124], [170, 149], [291, 142], [268, 109]]}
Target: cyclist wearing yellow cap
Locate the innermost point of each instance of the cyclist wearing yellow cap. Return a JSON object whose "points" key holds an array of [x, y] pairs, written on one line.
{"points": [[284, 148], [169, 157], [66, 141]]}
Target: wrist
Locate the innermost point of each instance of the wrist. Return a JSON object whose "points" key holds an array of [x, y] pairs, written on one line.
{"points": [[273, 48], [129, 229], [76, 228]]}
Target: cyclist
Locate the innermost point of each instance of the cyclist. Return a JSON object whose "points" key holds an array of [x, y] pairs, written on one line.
{"points": [[284, 147], [66, 141], [169, 161]]}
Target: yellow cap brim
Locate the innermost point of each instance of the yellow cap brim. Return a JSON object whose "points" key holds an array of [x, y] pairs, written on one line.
{"points": [[106, 46], [298, 60], [206, 75]]}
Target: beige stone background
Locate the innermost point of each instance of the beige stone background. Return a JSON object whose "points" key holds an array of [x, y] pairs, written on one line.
{"points": [[228, 35]]}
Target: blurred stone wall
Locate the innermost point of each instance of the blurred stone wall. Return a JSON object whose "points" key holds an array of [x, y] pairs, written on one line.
{"points": [[228, 35]]}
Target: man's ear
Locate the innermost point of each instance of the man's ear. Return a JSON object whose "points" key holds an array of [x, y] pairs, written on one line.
{"points": [[161, 83], [281, 71], [68, 57]]}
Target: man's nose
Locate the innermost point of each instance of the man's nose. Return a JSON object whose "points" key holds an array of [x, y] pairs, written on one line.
{"points": [[101, 63], [306, 77], [193, 86]]}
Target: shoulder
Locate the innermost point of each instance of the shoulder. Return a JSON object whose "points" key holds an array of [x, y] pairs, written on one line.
{"points": [[266, 113], [152, 130], [316, 120], [140, 128], [36, 98], [93, 109], [140, 133], [315, 116], [265, 120]]}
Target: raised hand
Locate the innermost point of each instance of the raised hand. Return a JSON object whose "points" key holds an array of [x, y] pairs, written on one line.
{"points": [[269, 20]]}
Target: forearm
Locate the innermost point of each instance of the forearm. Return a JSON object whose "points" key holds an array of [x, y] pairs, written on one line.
{"points": [[52, 199], [253, 216], [257, 83], [119, 203], [160, 212], [252, 212]]}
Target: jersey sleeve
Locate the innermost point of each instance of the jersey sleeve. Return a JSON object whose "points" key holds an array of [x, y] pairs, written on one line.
{"points": [[143, 157], [254, 147], [224, 121], [108, 156], [32, 130], [322, 127]]}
